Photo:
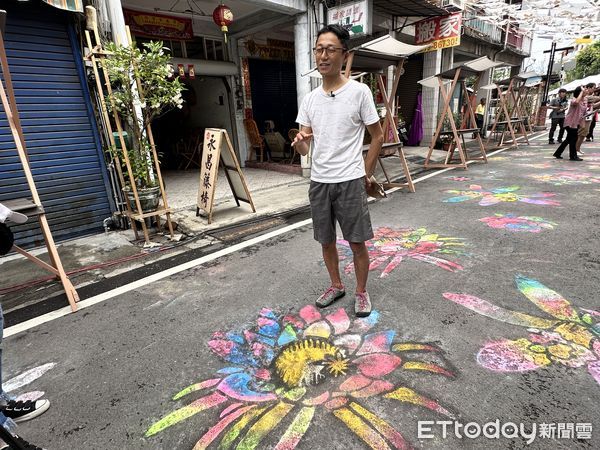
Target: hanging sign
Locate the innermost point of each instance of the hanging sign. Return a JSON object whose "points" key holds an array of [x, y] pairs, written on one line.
{"points": [[218, 150], [158, 26], [440, 32], [355, 17]]}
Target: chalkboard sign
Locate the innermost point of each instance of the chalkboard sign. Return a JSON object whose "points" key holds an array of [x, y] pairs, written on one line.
{"points": [[218, 151]]}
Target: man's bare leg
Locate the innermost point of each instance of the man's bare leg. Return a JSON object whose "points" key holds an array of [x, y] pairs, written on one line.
{"points": [[361, 265], [332, 262]]}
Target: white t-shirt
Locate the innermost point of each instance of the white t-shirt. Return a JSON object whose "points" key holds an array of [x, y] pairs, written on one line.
{"points": [[338, 125]]}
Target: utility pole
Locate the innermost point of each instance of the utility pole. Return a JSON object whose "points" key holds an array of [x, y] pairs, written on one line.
{"points": [[552, 52]]}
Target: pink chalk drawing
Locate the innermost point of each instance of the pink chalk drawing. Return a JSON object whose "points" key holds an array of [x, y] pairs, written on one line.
{"points": [[570, 338], [500, 195], [566, 178], [304, 365], [545, 165], [510, 222], [389, 247]]}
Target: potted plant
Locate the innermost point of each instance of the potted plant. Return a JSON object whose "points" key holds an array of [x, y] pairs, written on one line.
{"points": [[446, 138], [143, 87]]}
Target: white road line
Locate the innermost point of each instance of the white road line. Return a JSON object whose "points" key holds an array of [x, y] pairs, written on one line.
{"points": [[48, 317]]}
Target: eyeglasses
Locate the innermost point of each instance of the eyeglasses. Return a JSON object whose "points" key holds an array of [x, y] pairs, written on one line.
{"points": [[318, 51]]}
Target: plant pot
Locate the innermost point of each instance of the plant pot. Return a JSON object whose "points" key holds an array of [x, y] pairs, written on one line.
{"points": [[149, 198]]}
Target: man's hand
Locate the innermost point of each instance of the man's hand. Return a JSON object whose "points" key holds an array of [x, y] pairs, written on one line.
{"points": [[302, 137], [368, 183], [302, 140]]}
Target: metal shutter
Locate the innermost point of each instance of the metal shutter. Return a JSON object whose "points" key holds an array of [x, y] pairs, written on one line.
{"points": [[61, 139]]}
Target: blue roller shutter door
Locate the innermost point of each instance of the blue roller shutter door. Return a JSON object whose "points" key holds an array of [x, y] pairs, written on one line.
{"points": [[62, 144]]}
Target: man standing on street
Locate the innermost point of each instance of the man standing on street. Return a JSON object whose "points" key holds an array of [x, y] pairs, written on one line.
{"points": [[480, 117], [334, 116], [558, 106]]}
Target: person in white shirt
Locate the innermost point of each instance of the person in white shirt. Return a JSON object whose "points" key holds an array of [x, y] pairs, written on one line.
{"points": [[334, 117]]}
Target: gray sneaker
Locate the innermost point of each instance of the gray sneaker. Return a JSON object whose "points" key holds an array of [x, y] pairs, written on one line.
{"points": [[329, 296], [362, 304]]}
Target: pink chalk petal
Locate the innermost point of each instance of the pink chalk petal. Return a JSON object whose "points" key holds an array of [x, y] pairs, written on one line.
{"points": [[377, 364], [310, 314], [594, 370], [349, 342], [229, 409], [509, 356], [336, 403], [354, 383], [376, 388], [339, 320], [377, 343], [319, 400]]}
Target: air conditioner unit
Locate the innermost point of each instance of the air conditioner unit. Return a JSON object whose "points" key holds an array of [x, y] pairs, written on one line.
{"points": [[453, 5]]}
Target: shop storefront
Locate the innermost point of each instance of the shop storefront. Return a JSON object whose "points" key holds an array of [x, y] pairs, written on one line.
{"points": [[60, 133]]}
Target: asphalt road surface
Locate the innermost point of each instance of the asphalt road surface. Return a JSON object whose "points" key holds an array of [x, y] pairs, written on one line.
{"points": [[485, 285]]}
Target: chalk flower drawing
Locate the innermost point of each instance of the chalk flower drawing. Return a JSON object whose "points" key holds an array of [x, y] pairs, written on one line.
{"points": [[499, 195], [564, 177], [570, 337], [510, 222], [389, 247], [302, 365]]}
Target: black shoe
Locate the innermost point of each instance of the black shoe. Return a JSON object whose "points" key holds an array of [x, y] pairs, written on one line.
{"points": [[560, 141], [22, 411], [551, 142], [587, 139], [575, 159], [557, 156], [22, 444]]}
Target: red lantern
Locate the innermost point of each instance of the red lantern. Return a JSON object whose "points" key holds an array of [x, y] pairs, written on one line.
{"points": [[223, 16]]}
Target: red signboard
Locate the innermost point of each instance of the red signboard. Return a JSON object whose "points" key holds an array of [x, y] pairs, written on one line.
{"points": [[440, 32], [158, 26]]}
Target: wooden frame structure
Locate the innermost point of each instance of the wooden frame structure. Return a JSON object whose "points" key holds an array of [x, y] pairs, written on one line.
{"points": [[510, 111], [96, 56], [30, 207], [374, 57], [447, 82]]}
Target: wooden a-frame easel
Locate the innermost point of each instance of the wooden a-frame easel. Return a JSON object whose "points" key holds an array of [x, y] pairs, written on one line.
{"points": [[388, 99], [458, 134], [511, 118], [33, 206]]}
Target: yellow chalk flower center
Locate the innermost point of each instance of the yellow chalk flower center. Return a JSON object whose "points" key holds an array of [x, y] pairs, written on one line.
{"points": [[303, 362]]}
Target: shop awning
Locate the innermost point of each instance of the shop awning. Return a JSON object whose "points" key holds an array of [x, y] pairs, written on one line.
{"points": [[381, 53], [467, 70], [408, 8], [67, 5]]}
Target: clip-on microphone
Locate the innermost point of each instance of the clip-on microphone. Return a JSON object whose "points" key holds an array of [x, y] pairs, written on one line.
{"points": [[331, 94]]}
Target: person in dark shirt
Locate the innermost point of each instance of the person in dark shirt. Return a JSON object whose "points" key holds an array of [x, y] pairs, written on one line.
{"points": [[557, 115]]}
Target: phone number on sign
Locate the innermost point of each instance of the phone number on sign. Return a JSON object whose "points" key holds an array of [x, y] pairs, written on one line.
{"points": [[444, 43]]}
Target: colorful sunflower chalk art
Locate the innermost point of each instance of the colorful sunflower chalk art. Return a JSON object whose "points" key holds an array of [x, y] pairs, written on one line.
{"points": [[571, 337], [566, 178], [510, 222], [389, 247], [301, 366], [499, 195]]}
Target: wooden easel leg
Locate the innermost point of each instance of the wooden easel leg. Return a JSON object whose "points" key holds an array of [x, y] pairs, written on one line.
{"points": [[409, 181], [387, 177], [72, 295]]}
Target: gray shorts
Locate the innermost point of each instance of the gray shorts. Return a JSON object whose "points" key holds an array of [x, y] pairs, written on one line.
{"points": [[345, 202]]}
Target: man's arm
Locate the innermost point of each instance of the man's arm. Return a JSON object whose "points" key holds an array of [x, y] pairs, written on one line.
{"points": [[302, 140], [376, 142]]}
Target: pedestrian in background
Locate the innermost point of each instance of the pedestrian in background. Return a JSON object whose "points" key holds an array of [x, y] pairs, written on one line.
{"points": [[480, 116], [590, 136], [334, 117], [558, 106], [586, 121], [575, 115]]}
